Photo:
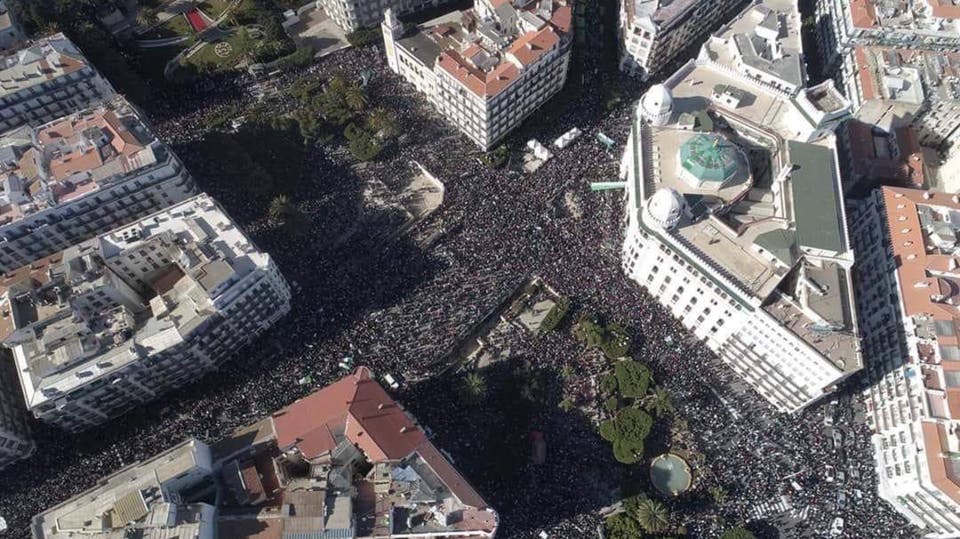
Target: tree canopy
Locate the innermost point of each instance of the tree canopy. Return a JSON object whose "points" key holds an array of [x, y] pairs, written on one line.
{"points": [[633, 378], [627, 432]]}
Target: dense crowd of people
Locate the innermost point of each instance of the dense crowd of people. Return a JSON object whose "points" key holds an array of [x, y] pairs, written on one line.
{"points": [[400, 307]]}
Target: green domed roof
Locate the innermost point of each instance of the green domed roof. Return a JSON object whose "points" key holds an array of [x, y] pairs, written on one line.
{"points": [[709, 157]]}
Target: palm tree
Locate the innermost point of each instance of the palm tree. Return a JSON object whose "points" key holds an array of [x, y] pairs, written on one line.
{"points": [[475, 386], [566, 372], [652, 515], [354, 97], [278, 208], [658, 402]]}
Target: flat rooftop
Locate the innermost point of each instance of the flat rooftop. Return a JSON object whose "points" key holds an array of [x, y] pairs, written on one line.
{"points": [[75, 317], [44, 60], [72, 157], [131, 494], [776, 228], [765, 37]]}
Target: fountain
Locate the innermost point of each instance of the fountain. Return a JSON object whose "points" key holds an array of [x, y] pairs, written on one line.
{"points": [[670, 474]]}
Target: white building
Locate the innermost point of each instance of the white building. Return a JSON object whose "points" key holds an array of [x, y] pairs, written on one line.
{"points": [[79, 176], [897, 87], [146, 497], [735, 217], [926, 24], [121, 319], [45, 81], [653, 32], [15, 440], [369, 13], [908, 292], [486, 69]]}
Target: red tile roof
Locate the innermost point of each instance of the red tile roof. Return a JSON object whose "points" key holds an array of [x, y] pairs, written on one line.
{"points": [[867, 81], [944, 10], [863, 13], [562, 18], [935, 443], [356, 404], [529, 47]]}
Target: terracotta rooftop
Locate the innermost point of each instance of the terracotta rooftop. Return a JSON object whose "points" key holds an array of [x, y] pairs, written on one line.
{"points": [[359, 407], [864, 14], [944, 9]]}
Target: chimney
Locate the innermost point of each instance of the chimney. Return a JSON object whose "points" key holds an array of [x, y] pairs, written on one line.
{"points": [[404, 428], [927, 195], [380, 406]]}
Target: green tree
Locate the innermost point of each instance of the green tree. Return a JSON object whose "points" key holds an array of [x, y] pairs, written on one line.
{"points": [[566, 405], [627, 432], [658, 402], [622, 526], [355, 97], [567, 372], [652, 516], [737, 533], [608, 383], [474, 387], [633, 378]]}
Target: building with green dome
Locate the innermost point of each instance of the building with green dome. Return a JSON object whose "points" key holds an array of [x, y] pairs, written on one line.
{"points": [[710, 161]]}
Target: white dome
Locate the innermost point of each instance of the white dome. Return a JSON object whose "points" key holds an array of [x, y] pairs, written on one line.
{"points": [[665, 207], [657, 101]]}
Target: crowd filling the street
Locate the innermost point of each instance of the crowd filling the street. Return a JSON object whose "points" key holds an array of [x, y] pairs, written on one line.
{"points": [[371, 288]]}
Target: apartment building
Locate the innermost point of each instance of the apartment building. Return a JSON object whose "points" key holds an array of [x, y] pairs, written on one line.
{"points": [[15, 440], [346, 461], [488, 68], [352, 16], [735, 216], [653, 32], [915, 24], [73, 178], [908, 285], [116, 321], [896, 87], [47, 80], [162, 497]]}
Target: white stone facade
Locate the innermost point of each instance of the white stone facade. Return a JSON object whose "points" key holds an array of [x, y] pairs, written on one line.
{"points": [[45, 81], [652, 35], [123, 318], [501, 74], [95, 170]]}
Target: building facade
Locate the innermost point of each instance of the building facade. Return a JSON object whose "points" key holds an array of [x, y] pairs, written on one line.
{"points": [[15, 440], [844, 24], [908, 286], [71, 179], [653, 32], [741, 231], [47, 80], [346, 461], [352, 16], [155, 496], [117, 321], [896, 87], [487, 69]]}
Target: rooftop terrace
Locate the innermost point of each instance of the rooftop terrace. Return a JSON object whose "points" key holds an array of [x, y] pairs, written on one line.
{"points": [[46, 59], [72, 157], [77, 316], [487, 48]]}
